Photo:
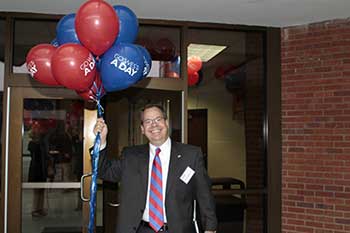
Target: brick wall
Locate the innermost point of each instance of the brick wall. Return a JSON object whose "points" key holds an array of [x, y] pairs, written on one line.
{"points": [[316, 127]]}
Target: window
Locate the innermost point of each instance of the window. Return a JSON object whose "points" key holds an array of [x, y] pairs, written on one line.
{"points": [[163, 44], [229, 94], [29, 33]]}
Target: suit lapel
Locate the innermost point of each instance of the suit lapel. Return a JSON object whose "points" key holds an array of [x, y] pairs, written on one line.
{"points": [[173, 166], [143, 167]]}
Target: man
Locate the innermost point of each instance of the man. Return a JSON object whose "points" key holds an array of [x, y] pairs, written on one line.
{"points": [[159, 180]]}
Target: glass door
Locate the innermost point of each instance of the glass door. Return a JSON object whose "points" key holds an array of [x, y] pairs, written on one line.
{"points": [[49, 139], [48, 152]]}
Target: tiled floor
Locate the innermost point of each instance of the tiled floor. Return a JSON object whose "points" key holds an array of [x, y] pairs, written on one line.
{"points": [[62, 212]]}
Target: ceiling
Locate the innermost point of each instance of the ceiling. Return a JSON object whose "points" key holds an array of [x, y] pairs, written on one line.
{"points": [[278, 13]]}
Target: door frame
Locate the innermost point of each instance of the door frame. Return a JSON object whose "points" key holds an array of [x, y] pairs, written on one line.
{"points": [[13, 153]]}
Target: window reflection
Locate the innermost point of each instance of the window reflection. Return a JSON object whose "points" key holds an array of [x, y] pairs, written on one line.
{"points": [[163, 44], [59, 213], [52, 140], [52, 148], [29, 33], [227, 102]]}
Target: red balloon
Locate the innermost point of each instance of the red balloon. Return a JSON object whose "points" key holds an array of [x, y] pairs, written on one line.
{"points": [[165, 50], [95, 92], [172, 74], [194, 64], [193, 79], [97, 26], [73, 66], [222, 70], [39, 63]]}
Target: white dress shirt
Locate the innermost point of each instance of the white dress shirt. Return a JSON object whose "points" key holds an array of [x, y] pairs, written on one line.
{"points": [[165, 160]]}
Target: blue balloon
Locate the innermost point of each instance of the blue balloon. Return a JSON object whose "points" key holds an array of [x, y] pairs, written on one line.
{"points": [[128, 25], [54, 42], [121, 67], [65, 30], [147, 60]]}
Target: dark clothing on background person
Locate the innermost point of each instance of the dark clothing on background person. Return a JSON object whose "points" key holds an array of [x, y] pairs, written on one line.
{"points": [[61, 142], [60, 151], [77, 156], [132, 171], [38, 163], [38, 173]]}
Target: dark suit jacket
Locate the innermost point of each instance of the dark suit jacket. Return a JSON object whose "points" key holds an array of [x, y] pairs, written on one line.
{"points": [[132, 171]]}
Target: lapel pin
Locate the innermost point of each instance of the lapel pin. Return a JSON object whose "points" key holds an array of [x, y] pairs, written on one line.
{"points": [[179, 156]]}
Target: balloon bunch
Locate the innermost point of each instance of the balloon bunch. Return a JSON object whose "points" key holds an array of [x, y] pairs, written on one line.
{"points": [[194, 64], [93, 53]]}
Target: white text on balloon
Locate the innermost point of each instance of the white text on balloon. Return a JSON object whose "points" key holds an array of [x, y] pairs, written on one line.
{"points": [[32, 68], [88, 65], [125, 64]]}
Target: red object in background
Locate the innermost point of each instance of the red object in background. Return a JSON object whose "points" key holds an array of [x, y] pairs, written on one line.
{"points": [[27, 118], [193, 79], [73, 66], [148, 44], [41, 126], [97, 26], [77, 107], [38, 63], [222, 70], [52, 123], [165, 50], [172, 74], [27, 122], [194, 64]]}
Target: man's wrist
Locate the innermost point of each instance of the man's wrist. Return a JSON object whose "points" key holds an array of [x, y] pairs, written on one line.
{"points": [[103, 146]]}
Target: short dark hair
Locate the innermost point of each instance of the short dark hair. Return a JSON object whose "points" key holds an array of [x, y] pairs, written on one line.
{"points": [[152, 105]]}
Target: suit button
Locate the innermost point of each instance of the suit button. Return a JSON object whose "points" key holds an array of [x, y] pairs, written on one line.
{"points": [[142, 211], [134, 228]]}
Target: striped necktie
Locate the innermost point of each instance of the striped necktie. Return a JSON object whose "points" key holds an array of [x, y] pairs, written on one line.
{"points": [[156, 218]]}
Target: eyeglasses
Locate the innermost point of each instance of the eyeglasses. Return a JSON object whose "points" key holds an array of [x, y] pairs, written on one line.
{"points": [[157, 120]]}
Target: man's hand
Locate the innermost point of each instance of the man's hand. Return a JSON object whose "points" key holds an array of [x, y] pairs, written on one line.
{"points": [[101, 127], [209, 231]]}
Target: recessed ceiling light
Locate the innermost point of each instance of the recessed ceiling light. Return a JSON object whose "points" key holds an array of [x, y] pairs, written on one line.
{"points": [[204, 51]]}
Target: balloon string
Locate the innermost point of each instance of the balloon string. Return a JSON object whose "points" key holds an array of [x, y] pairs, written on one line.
{"points": [[100, 109], [93, 187]]}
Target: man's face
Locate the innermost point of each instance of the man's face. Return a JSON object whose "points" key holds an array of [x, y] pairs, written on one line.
{"points": [[154, 126]]}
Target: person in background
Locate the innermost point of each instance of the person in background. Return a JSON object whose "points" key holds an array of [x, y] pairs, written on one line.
{"points": [[76, 136], [37, 172], [159, 180]]}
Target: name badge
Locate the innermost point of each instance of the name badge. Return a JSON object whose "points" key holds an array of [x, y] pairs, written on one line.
{"points": [[187, 175]]}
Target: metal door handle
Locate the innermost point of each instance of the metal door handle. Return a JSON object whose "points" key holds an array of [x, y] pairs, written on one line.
{"points": [[113, 204], [82, 187]]}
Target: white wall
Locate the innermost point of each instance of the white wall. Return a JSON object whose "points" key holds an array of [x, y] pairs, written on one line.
{"points": [[226, 138], [16, 69]]}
